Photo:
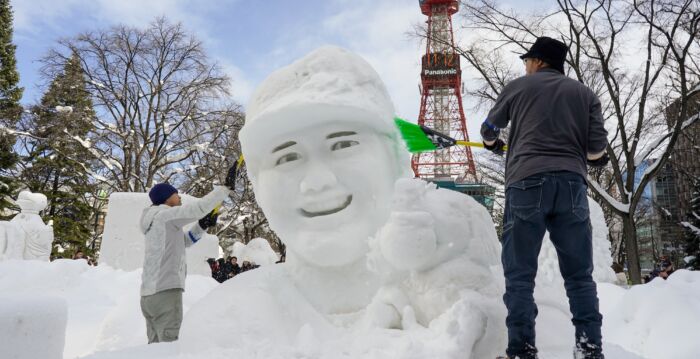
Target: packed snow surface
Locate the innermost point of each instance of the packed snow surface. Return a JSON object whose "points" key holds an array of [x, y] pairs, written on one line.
{"points": [[103, 310], [103, 315]]}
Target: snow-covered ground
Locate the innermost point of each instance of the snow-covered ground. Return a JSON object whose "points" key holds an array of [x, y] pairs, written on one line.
{"points": [[652, 321], [103, 303]]}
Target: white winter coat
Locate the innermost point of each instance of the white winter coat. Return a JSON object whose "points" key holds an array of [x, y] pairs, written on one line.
{"points": [[164, 265]]}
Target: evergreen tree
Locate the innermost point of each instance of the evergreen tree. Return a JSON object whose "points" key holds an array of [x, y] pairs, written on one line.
{"points": [[692, 237], [59, 161], [10, 109]]}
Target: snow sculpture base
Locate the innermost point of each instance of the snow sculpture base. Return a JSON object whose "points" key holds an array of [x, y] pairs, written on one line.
{"points": [[32, 327]]}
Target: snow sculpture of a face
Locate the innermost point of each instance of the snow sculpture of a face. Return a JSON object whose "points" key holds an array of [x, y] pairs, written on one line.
{"points": [[323, 155]]}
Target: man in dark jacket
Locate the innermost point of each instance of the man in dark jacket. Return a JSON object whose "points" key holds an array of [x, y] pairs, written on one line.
{"points": [[556, 129]]}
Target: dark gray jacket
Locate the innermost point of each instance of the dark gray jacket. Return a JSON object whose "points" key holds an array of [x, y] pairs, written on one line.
{"points": [[555, 121]]}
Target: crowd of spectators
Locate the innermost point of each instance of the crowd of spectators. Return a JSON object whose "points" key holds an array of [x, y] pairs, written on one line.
{"points": [[225, 269]]}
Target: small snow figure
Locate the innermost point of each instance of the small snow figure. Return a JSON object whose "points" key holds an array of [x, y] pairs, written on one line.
{"points": [[26, 236]]}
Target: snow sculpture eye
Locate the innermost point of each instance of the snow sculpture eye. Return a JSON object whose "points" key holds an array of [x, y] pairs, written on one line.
{"points": [[343, 144], [290, 157]]}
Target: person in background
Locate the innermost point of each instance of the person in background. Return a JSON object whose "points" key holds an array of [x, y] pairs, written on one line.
{"points": [[619, 273], [234, 268], [214, 266], [79, 255], [223, 270], [665, 268], [165, 267]]}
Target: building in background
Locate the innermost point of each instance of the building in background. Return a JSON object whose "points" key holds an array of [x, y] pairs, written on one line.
{"points": [[668, 214], [685, 158]]}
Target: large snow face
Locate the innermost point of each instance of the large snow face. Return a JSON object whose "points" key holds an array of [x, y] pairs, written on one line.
{"points": [[325, 187], [323, 155]]}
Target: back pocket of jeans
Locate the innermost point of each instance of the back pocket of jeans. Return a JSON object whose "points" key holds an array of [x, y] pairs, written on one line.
{"points": [[579, 199], [525, 197]]}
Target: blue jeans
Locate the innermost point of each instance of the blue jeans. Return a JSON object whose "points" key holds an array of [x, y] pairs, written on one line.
{"points": [[556, 202]]}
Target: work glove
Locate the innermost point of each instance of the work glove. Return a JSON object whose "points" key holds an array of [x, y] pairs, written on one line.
{"points": [[496, 147], [489, 132], [601, 162], [209, 220]]}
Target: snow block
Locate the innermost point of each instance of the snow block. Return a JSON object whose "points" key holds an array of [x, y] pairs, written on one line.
{"points": [[32, 327], [123, 243]]}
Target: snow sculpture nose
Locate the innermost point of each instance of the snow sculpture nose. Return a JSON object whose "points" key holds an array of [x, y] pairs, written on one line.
{"points": [[317, 179]]}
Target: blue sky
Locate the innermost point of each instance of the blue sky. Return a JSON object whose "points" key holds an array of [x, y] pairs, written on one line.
{"points": [[248, 38]]}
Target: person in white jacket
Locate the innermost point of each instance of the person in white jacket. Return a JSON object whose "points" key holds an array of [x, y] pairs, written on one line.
{"points": [[164, 266]]}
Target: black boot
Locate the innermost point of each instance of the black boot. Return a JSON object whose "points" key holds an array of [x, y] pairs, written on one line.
{"points": [[530, 352], [588, 351]]}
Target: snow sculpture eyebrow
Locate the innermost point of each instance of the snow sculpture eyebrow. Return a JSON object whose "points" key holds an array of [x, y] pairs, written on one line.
{"points": [[340, 134], [283, 146]]}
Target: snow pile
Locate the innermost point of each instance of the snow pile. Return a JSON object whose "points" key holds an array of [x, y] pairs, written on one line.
{"points": [[103, 304], [257, 251], [123, 243], [26, 318], [656, 320]]}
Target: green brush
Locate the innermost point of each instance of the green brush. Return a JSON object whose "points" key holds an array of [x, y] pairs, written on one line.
{"points": [[424, 139]]}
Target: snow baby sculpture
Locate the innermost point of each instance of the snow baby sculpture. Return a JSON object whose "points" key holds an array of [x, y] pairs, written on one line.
{"points": [[366, 244], [26, 236]]}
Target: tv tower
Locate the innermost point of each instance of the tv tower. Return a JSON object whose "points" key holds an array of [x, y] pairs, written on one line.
{"points": [[441, 98]]}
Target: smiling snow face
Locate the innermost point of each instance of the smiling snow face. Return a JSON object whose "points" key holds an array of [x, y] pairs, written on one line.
{"points": [[325, 186], [323, 153]]}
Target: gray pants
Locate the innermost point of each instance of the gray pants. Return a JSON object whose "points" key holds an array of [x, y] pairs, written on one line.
{"points": [[163, 313]]}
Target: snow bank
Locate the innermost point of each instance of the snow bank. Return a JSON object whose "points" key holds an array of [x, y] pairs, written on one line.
{"points": [[656, 320], [123, 243], [103, 303], [26, 318]]}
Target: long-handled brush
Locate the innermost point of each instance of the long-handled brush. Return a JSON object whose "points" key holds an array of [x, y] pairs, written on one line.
{"points": [[424, 139]]}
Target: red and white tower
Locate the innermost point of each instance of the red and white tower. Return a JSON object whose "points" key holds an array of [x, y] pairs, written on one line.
{"points": [[441, 98]]}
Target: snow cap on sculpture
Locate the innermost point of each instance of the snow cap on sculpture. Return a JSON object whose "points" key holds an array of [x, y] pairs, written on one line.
{"points": [[31, 202], [330, 80]]}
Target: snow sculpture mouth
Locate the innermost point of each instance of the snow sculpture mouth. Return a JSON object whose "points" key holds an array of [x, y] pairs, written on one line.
{"points": [[313, 210]]}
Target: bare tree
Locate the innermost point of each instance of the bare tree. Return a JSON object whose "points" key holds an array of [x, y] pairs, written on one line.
{"points": [[159, 101], [600, 34]]}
